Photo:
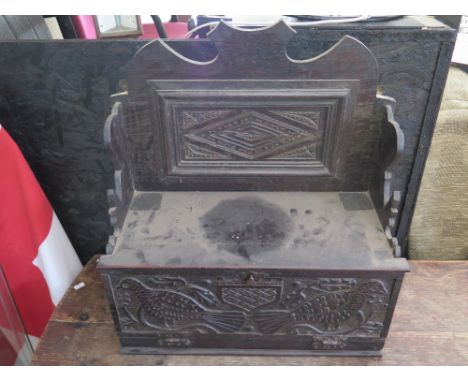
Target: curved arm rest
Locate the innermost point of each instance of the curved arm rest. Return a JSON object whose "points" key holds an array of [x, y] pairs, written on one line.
{"points": [[392, 135], [118, 197], [391, 147]]}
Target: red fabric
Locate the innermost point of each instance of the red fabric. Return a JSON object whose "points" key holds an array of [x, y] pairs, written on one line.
{"points": [[25, 220]]}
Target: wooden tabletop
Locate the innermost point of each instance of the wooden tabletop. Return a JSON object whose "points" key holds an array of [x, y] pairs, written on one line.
{"points": [[430, 327]]}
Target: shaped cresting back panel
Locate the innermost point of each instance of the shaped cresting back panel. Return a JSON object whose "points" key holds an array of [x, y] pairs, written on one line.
{"points": [[252, 118]]}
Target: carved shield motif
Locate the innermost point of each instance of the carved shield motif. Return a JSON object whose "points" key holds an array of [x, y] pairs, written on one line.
{"points": [[248, 294], [249, 298]]}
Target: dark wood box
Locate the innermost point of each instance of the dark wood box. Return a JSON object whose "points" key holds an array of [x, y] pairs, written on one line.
{"points": [[299, 296]]}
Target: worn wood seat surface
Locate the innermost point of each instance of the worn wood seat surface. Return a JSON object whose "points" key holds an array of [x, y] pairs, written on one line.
{"points": [[314, 230]]}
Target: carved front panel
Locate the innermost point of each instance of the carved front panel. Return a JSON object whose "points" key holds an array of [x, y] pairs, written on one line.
{"points": [[326, 312], [218, 128]]}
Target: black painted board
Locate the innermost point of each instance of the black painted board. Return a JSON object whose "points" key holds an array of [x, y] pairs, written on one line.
{"points": [[54, 100]]}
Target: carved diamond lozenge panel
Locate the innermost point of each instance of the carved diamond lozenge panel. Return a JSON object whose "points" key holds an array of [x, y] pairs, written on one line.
{"points": [[255, 134], [192, 118], [227, 128]]}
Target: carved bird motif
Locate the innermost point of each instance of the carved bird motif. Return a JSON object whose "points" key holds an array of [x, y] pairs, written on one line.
{"points": [[328, 310], [170, 309]]}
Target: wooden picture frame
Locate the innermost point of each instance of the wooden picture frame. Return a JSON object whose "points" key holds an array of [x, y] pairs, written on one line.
{"points": [[131, 28]]}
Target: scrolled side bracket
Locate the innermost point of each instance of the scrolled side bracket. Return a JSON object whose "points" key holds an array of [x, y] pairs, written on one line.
{"points": [[387, 200], [118, 197]]}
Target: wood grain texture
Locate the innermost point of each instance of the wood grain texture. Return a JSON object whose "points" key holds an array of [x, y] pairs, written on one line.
{"points": [[425, 330]]}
